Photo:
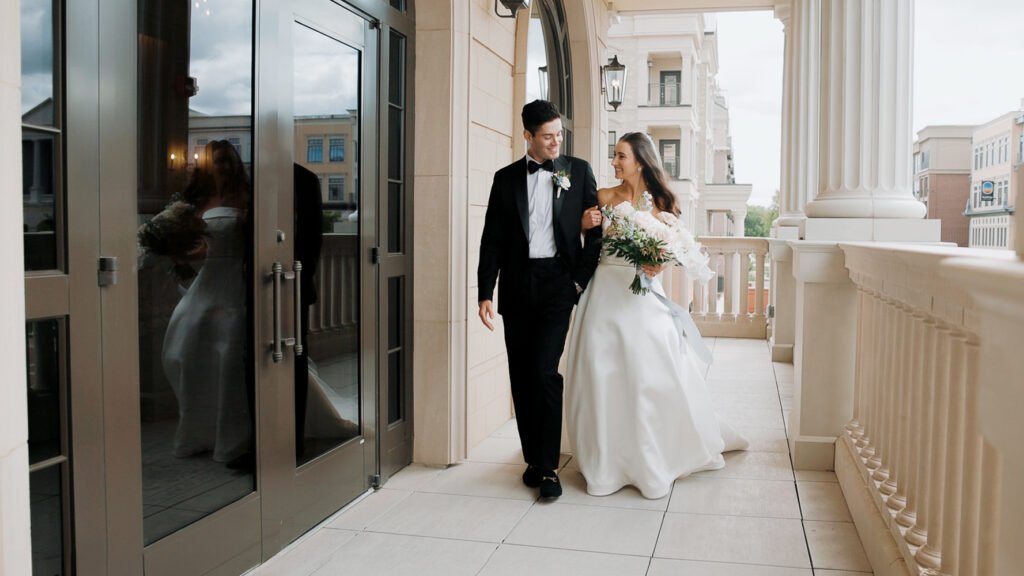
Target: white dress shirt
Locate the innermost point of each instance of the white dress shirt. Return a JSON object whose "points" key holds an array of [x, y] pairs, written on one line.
{"points": [[540, 199]]}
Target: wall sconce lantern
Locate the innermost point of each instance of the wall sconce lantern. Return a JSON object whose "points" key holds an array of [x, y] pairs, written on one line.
{"points": [[513, 6], [614, 77], [543, 72]]}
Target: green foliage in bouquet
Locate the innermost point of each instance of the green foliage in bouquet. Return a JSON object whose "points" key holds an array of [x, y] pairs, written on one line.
{"points": [[175, 232]]}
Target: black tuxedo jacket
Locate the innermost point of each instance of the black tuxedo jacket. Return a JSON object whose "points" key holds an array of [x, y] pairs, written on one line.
{"points": [[504, 246]]}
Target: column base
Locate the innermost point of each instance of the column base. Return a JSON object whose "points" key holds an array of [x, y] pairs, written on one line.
{"points": [[814, 452], [834, 205], [788, 227], [873, 230], [782, 353]]}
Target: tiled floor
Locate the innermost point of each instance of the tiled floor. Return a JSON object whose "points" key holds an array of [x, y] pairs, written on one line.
{"points": [[755, 517]]}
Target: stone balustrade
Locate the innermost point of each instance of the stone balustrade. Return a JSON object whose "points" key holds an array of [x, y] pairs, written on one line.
{"points": [[337, 285], [915, 446], [729, 313]]}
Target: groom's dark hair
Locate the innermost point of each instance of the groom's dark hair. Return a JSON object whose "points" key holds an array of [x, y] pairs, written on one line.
{"points": [[538, 113]]}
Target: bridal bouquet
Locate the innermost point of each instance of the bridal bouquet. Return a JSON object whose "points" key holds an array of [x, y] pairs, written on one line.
{"points": [[174, 232], [644, 239]]}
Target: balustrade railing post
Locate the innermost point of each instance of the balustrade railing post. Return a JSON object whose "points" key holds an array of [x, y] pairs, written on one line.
{"points": [[955, 435], [970, 507], [929, 556], [872, 450], [713, 283], [759, 283], [918, 533], [897, 470], [908, 515], [854, 428], [991, 511], [728, 299], [885, 436]]}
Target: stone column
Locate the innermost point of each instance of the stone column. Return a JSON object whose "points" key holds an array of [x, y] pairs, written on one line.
{"points": [[15, 533], [865, 121], [799, 161], [826, 331], [799, 168], [441, 179], [787, 201], [643, 77]]}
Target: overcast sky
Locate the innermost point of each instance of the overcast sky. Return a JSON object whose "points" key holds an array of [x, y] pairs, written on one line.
{"points": [[968, 58]]}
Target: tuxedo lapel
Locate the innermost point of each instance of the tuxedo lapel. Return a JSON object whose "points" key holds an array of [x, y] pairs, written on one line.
{"points": [[522, 203], [560, 164], [559, 196]]}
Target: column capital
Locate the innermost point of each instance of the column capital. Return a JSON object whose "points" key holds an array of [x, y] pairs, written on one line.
{"points": [[782, 11]]}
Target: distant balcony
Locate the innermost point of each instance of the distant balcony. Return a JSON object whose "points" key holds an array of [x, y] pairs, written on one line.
{"points": [[666, 95]]}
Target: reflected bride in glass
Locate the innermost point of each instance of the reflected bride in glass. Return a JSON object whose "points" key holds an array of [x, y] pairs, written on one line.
{"points": [[204, 347]]}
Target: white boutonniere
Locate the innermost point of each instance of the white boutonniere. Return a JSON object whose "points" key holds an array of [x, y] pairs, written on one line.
{"points": [[561, 180]]}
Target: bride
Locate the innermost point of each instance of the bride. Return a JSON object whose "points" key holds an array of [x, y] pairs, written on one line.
{"points": [[637, 408], [204, 346]]}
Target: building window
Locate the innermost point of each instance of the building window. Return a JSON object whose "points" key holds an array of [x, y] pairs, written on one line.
{"points": [[612, 141], [336, 188], [237, 143], [925, 160], [548, 64], [315, 150], [1020, 148], [337, 150], [669, 150]]}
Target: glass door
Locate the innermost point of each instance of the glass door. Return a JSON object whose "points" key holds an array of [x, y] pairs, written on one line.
{"points": [[218, 331], [197, 275], [321, 77]]}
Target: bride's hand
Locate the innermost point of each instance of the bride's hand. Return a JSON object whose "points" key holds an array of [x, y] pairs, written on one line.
{"points": [[652, 271], [591, 218]]}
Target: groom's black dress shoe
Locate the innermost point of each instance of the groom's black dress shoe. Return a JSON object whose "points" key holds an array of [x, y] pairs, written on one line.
{"points": [[550, 487], [532, 476]]}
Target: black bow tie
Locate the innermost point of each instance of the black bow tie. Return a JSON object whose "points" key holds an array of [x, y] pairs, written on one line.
{"points": [[547, 165]]}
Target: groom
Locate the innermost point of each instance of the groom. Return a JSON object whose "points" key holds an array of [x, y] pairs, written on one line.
{"points": [[532, 240]]}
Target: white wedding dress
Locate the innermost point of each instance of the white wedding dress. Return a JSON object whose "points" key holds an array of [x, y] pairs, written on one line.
{"points": [[637, 408], [203, 353]]}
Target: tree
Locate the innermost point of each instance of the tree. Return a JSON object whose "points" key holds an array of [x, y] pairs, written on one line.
{"points": [[758, 223]]}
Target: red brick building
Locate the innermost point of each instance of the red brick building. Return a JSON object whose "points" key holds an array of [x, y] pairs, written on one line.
{"points": [[942, 177]]}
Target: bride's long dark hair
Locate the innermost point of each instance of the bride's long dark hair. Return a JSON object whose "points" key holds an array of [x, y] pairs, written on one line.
{"points": [[652, 173]]}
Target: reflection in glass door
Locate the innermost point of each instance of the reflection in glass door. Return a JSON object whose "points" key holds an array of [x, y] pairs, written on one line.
{"points": [[195, 237], [327, 236]]}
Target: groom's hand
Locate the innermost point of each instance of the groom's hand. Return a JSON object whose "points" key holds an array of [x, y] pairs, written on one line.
{"points": [[487, 314], [591, 218]]}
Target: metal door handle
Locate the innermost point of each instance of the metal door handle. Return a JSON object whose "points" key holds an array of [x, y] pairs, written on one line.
{"points": [[297, 273], [279, 341]]}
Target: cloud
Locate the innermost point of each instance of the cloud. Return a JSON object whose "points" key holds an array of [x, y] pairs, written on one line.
{"points": [[326, 74], [36, 54], [221, 51]]}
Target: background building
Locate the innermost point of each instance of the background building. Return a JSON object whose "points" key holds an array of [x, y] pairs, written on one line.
{"points": [[674, 96], [942, 177], [996, 150]]}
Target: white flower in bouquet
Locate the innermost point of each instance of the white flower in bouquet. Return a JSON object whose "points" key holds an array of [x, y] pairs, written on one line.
{"points": [[644, 239], [623, 210], [668, 218]]}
